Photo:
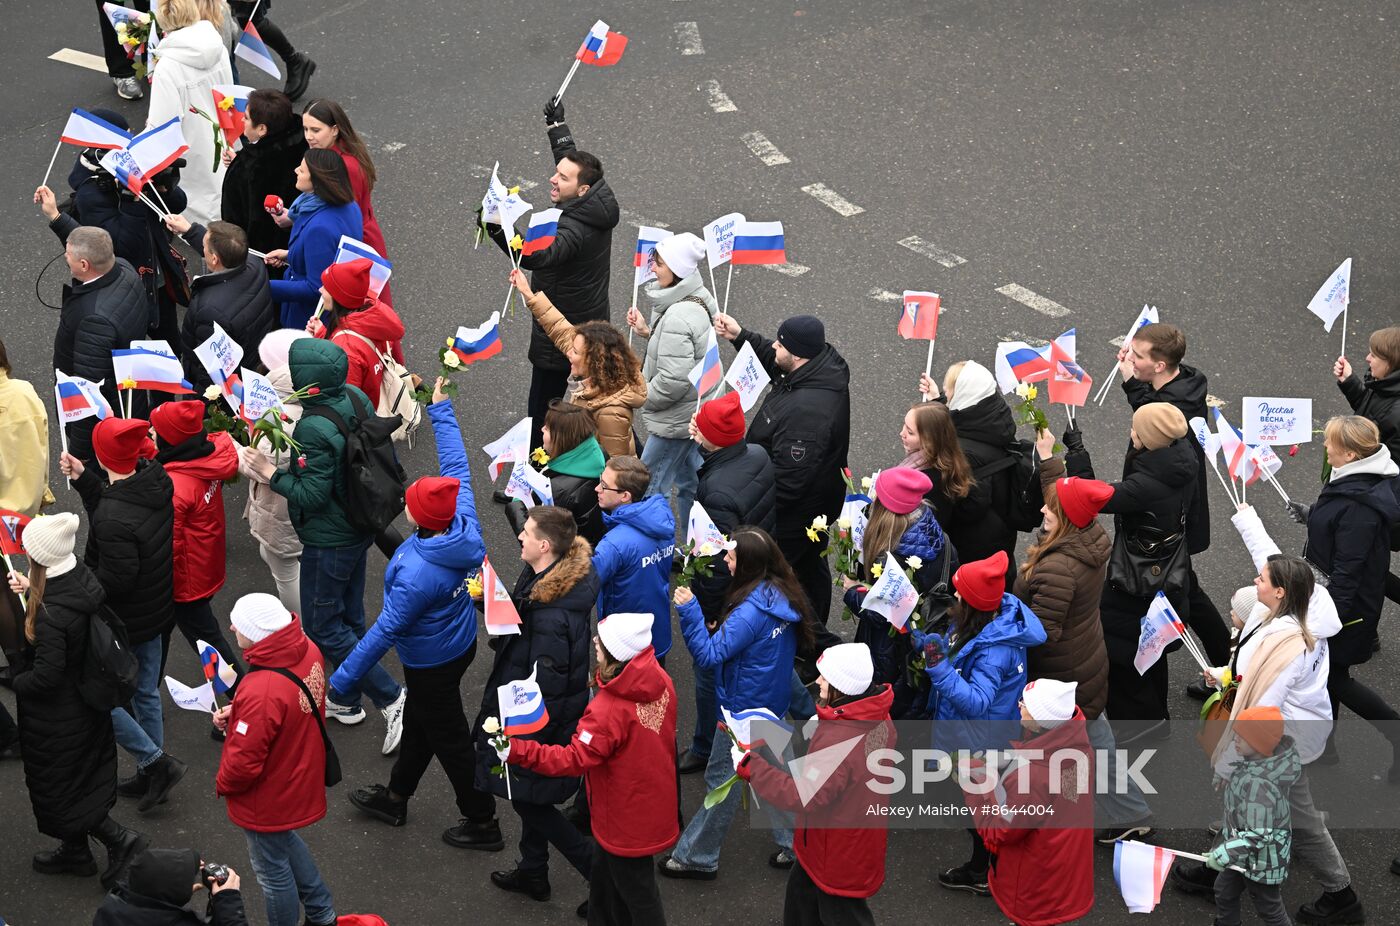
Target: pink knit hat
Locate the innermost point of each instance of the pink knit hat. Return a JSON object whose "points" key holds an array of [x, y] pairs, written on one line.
{"points": [[901, 489]]}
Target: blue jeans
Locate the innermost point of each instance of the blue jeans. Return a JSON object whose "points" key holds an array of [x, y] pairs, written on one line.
{"points": [[333, 616], [706, 712], [673, 461], [288, 876], [143, 736], [699, 845], [1112, 807]]}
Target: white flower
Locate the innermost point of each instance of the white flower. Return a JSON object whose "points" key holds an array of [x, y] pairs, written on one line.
{"points": [[843, 523], [708, 548], [212, 393], [915, 563], [451, 361], [819, 522], [1023, 390], [491, 725], [866, 482]]}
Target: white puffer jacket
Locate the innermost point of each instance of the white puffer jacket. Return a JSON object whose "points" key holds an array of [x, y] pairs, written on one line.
{"points": [[189, 63], [266, 511]]}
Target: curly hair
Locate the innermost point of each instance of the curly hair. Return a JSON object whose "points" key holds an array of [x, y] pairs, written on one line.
{"points": [[611, 364]]}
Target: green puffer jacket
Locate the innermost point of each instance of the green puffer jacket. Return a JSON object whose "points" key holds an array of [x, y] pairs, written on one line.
{"points": [[315, 492], [1257, 834], [679, 333]]}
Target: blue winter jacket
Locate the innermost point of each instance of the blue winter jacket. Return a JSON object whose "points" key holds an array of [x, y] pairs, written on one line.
{"points": [[753, 649], [975, 698], [428, 615], [634, 564], [311, 250]]}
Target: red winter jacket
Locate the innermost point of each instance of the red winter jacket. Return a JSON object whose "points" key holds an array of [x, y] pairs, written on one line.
{"points": [[379, 323], [1043, 866], [837, 842], [199, 518], [273, 769], [625, 746]]}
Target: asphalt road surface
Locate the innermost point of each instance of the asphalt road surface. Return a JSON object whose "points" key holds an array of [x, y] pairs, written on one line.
{"points": [[1039, 165]]}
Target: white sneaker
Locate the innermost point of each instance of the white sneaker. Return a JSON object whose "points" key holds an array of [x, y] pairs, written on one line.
{"points": [[346, 715], [128, 88], [393, 718]]}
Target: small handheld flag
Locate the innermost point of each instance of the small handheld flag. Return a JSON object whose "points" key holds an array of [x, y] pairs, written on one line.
{"points": [[1018, 362], [1069, 383], [1147, 315], [919, 317], [1159, 628], [601, 47], [253, 50], [747, 376], [1141, 871], [479, 343], [150, 369], [87, 131], [221, 356], [522, 706], [498, 611], [191, 699], [12, 532], [219, 673], [758, 243], [706, 375], [758, 727], [380, 269], [231, 110], [509, 447], [1332, 298], [893, 595], [543, 227], [79, 399], [701, 529], [647, 240]]}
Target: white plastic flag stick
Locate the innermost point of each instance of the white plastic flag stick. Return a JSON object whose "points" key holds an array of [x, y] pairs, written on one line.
{"points": [[11, 570], [557, 97], [62, 427], [1194, 649], [636, 288], [1269, 478], [928, 365], [159, 199], [1344, 326], [713, 288], [730, 279], [1226, 485], [320, 307], [56, 148]]}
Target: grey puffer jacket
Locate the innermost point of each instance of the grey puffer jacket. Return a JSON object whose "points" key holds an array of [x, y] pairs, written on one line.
{"points": [[681, 316]]}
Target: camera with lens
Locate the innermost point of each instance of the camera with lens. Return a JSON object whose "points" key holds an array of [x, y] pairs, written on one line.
{"points": [[213, 873]]}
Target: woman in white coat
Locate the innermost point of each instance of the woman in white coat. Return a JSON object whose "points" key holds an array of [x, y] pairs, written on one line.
{"points": [[190, 60]]}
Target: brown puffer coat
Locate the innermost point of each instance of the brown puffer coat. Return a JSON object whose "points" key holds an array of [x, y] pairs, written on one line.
{"points": [[1064, 592]]}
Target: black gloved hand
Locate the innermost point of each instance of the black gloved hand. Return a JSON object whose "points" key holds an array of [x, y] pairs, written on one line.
{"points": [[1298, 511], [1073, 438], [553, 111]]}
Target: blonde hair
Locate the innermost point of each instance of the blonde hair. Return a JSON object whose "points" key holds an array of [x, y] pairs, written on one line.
{"points": [[177, 14], [1354, 433], [950, 379], [213, 10], [882, 534]]}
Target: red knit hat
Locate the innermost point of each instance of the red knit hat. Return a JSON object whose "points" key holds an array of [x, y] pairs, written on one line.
{"points": [[176, 422], [120, 442], [982, 582], [901, 488], [1082, 499], [432, 501], [348, 283], [721, 421]]}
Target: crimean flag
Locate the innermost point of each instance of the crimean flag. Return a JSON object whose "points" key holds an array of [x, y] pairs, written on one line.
{"points": [[498, 611], [231, 108], [919, 318], [87, 131], [758, 243], [473, 344], [12, 532], [149, 369], [522, 706], [706, 375], [219, 673], [253, 50], [146, 155], [1141, 871], [601, 47], [647, 240], [540, 235]]}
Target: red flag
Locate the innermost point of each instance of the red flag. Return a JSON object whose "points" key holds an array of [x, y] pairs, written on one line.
{"points": [[500, 614], [12, 532], [1069, 383], [919, 320]]}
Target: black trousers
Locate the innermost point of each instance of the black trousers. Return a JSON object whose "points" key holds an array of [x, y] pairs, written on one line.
{"points": [[808, 561], [543, 825], [545, 386], [805, 904], [117, 63], [434, 724], [1363, 702], [9, 732], [622, 891], [197, 622], [1203, 617]]}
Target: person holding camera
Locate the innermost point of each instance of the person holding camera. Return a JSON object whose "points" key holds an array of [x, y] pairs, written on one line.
{"points": [[163, 887]]}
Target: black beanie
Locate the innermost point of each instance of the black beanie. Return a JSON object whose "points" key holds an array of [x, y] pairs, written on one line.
{"points": [[167, 875], [803, 336]]}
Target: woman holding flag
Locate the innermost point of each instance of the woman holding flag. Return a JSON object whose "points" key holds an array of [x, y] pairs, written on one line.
{"points": [[576, 463]]}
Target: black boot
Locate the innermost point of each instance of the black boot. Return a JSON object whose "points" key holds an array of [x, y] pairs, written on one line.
{"points": [[533, 884], [485, 836], [134, 787], [376, 801], [300, 67], [122, 845], [70, 858], [163, 774], [1333, 907]]}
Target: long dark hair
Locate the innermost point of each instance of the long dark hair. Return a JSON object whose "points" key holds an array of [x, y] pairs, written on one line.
{"points": [[757, 559], [967, 621], [569, 425], [331, 113], [329, 178]]}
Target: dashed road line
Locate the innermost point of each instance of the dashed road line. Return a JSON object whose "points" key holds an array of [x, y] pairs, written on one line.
{"points": [[719, 100], [482, 172], [832, 200], [1118, 341], [1018, 336], [635, 219], [1033, 299], [765, 150], [932, 251], [688, 35], [788, 269], [80, 58], [391, 147], [884, 295]]}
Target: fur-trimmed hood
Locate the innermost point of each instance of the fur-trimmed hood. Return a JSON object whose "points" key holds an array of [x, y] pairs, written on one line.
{"points": [[561, 578]]}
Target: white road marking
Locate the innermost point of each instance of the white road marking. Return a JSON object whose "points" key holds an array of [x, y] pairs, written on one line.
{"points": [[688, 35], [1033, 299], [482, 172], [765, 150], [80, 58], [832, 200], [788, 269], [635, 219], [1118, 341], [1018, 336], [932, 251], [884, 295], [391, 147], [719, 100]]}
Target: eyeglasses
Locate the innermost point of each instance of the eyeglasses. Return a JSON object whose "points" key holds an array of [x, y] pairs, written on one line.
{"points": [[607, 488]]}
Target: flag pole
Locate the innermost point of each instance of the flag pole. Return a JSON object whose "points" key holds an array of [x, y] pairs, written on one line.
{"points": [[1107, 382], [160, 199], [565, 86], [1344, 325], [54, 159], [714, 290], [62, 427], [928, 366], [1225, 485], [10, 570], [636, 288], [730, 279]]}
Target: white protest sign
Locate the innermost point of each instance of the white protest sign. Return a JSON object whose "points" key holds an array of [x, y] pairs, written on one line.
{"points": [[259, 395], [191, 699], [1272, 420], [509, 447], [221, 355], [892, 595], [719, 238], [747, 377]]}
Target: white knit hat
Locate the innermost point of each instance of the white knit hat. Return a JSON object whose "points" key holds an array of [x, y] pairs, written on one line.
{"points": [[625, 635], [847, 667], [49, 539], [259, 615], [273, 348], [1050, 702], [682, 253], [1242, 602]]}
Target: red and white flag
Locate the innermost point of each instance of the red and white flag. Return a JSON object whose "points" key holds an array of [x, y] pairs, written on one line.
{"points": [[919, 320]]}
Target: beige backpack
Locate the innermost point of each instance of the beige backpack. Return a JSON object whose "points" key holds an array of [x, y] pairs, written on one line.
{"points": [[395, 391]]}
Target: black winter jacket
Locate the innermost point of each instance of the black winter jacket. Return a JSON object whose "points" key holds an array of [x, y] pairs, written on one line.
{"points": [[1349, 540], [123, 907], [97, 317], [805, 426], [575, 494], [986, 517], [1187, 391], [238, 299], [555, 641], [737, 487], [573, 271], [70, 754], [1379, 400], [130, 546], [267, 167]]}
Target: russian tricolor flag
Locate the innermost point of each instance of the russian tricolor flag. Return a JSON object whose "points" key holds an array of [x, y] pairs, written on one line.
{"points": [[522, 706], [87, 131], [473, 344], [78, 399], [380, 269], [149, 369], [601, 47], [1018, 362], [705, 376], [231, 108], [1232, 446], [647, 240], [758, 243], [540, 235], [252, 50], [919, 319], [219, 673]]}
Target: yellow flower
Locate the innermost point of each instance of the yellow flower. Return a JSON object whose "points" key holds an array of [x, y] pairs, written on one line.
{"points": [[1032, 392], [877, 569], [513, 191], [491, 725], [812, 535], [226, 103], [127, 384], [539, 457], [1023, 390], [474, 586], [517, 243]]}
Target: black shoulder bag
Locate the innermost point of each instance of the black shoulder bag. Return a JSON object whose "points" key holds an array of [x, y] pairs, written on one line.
{"points": [[1146, 560], [332, 759]]}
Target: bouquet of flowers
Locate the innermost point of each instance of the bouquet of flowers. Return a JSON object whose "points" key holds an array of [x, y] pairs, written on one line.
{"points": [[217, 417], [133, 30], [450, 363]]}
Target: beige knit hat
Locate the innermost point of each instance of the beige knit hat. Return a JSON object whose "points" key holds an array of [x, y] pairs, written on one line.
{"points": [[1157, 424]]}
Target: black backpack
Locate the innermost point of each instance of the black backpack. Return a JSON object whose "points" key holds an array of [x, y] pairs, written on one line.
{"points": [[374, 479], [108, 677], [1024, 500]]}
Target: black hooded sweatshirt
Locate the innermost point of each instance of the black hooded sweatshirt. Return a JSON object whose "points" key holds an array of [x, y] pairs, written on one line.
{"points": [[159, 890]]}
